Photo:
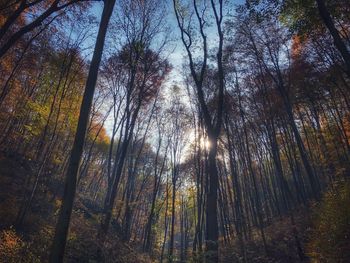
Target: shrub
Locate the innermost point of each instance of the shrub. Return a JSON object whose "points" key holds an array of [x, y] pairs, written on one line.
{"points": [[11, 246], [330, 238], [13, 249]]}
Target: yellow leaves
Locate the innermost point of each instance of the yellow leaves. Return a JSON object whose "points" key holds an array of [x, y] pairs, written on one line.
{"points": [[330, 238], [346, 121], [101, 131], [72, 236], [41, 110], [58, 203], [38, 114]]}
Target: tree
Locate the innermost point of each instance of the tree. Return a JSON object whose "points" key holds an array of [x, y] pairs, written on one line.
{"points": [[338, 42], [177, 132], [212, 124], [61, 231], [306, 17], [15, 13], [145, 70]]}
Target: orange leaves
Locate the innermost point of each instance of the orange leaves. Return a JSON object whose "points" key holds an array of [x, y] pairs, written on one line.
{"points": [[10, 245], [296, 47]]}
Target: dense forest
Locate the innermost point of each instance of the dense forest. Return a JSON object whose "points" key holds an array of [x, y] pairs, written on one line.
{"points": [[174, 131]]}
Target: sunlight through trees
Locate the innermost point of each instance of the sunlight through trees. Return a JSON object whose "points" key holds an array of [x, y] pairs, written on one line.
{"points": [[174, 131]]}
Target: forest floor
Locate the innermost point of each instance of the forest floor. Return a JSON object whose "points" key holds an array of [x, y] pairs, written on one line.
{"points": [[280, 242], [32, 243]]}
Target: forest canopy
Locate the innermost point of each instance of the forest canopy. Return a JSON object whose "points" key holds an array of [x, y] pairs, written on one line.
{"points": [[174, 131]]}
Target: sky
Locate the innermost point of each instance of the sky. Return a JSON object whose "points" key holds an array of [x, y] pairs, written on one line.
{"points": [[175, 52], [176, 56]]}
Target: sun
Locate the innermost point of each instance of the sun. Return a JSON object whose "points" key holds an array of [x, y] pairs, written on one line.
{"points": [[203, 140], [205, 143]]}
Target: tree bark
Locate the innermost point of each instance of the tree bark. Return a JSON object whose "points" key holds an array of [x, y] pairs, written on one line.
{"points": [[61, 232], [338, 42]]}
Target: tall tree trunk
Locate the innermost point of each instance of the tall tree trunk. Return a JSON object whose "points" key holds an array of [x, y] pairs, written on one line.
{"points": [[338, 42], [172, 229], [166, 221], [212, 228], [61, 232]]}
